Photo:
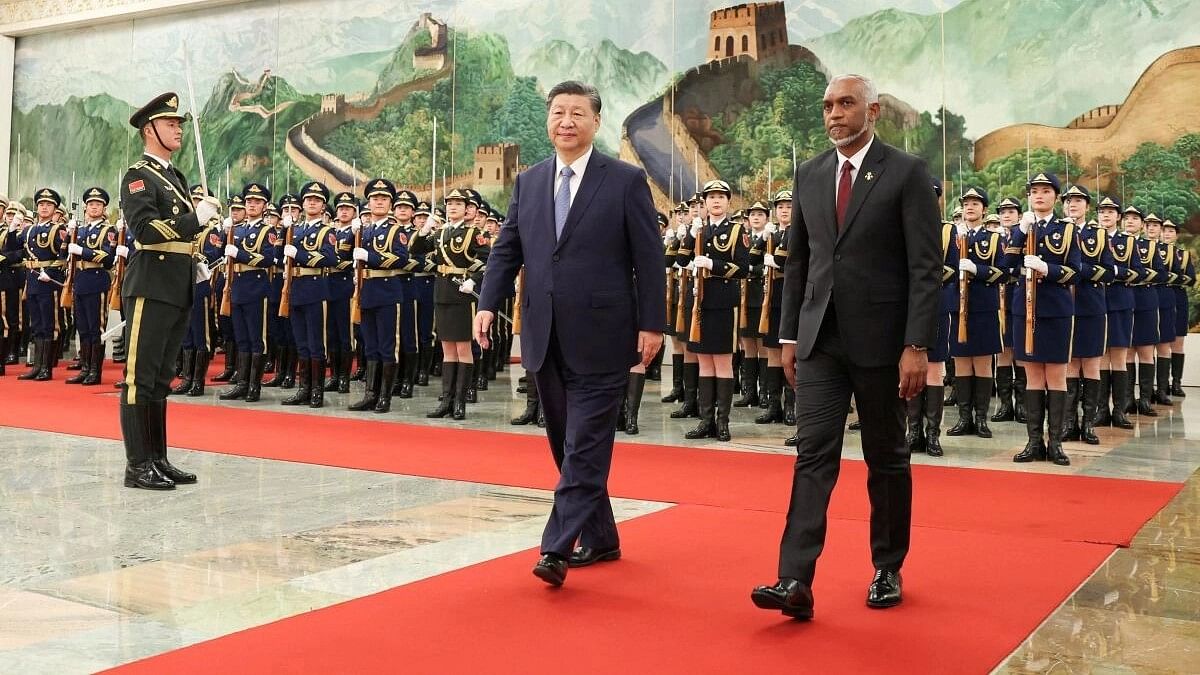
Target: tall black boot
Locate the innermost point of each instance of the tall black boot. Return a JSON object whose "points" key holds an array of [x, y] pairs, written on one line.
{"points": [[774, 381], [272, 357], [189, 370], [914, 414], [3, 354], [1035, 416], [438, 362], [1120, 394], [676, 393], [409, 379], [199, 373], [11, 356], [330, 383], [633, 402], [964, 394], [158, 441], [1161, 392], [531, 407], [481, 375], [948, 383], [290, 361], [1103, 412], [305, 385], [724, 401], [691, 381], [1145, 389], [654, 370], [424, 360], [1177, 375], [360, 371], [49, 356], [386, 383], [462, 390], [85, 365], [1071, 412], [762, 386], [230, 363], [1057, 407], [371, 388], [140, 468], [97, 364], [35, 361], [933, 420], [1091, 399], [1004, 391], [275, 366], [789, 403], [1131, 398], [316, 397], [749, 378], [981, 390], [254, 386], [706, 393], [1019, 383], [343, 371], [449, 375]]}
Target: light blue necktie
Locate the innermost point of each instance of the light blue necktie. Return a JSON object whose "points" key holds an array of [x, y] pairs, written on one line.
{"points": [[562, 201]]}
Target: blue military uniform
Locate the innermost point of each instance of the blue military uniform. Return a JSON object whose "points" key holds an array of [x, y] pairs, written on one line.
{"points": [[316, 252], [280, 359], [45, 245], [1119, 305], [422, 287], [1185, 276], [197, 342], [257, 254], [91, 281], [340, 333]]}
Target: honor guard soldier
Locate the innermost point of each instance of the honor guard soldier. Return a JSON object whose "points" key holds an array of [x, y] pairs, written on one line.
{"points": [[1089, 342], [237, 215], [752, 294], [1119, 304], [422, 286], [1010, 378], [982, 267], [156, 290], [403, 210], [311, 251], [458, 252], [686, 236], [1145, 313], [674, 292], [280, 358], [12, 264], [723, 261], [1052, 271], [383, 254], [94, 254], [341, 289], [773, 261], [45, 249], [197, 341], [254, 252], [1184, 270], [1164, 259]]}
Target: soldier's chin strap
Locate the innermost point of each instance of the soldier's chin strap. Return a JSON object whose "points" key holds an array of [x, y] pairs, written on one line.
{"points": [[160, 140]]}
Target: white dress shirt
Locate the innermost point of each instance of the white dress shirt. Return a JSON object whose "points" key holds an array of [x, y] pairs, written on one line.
{"points": [[856, 161], [166, 164], [578, 166]]}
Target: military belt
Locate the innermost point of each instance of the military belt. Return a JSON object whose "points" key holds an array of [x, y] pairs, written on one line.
{"points": [[40, 264], [239, 268], [422, 274], [447, 269], [183, 248], [308, 271], [90, 265], [381, 274]]}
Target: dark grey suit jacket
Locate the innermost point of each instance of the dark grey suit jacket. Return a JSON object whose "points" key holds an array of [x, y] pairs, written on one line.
{"points": [[883, 270]]}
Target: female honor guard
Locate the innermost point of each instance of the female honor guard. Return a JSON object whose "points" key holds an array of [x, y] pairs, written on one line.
{"points": [[1051, 272], [94, 254], [253, 252], [1118, 300], [1145, 313], [723, 260], [12, 262], [774, 258], [752, 293], [1010, 378], [1185, 275], [674, 294], [1091, 317], [924, 411], [45, 249], [312, 251], [1165, 258], [196, 343], [981, 262]]}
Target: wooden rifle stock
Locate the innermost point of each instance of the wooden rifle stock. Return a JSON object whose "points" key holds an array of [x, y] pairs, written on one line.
{"points": [[764, 317], [964, 286], [67, 299], [516, 313], [355, 302], [680, 294], [114, 289], [285, 295], [1030, 288], [227, 292], [698, 293]]}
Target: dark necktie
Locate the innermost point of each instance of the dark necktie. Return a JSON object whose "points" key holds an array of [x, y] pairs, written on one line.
{"points": [[843, 195]]}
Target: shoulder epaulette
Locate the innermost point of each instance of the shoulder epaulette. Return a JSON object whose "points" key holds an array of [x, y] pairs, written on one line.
{"points": [[140, 164]]}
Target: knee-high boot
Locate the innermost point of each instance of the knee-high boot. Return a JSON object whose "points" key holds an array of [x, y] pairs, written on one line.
{"points": [[963, 393], [1120, 396], [691, 379], [914, 415], [633, 402], [706, 392], [933, 420], [676, 393]]}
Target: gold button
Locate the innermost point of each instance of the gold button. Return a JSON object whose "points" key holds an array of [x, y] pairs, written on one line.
{"points": [[162, 257]]}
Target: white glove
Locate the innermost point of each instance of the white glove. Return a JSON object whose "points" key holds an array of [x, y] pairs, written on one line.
{"points": [[231, 250], [122, 251], [356, 225], [965, 265], [14, 225], [703, 262], [676, 266], [1035, 263], [681, 231], [42, 276], [771, 228], [668, 238], [360, 254], [288, 221], [207, 209], [467, 286], [426, 229], [1027, 219], [74, 249], [71, 225], [227, 223], [691, 267], [289, 251], [696, 227], [769, 261]]}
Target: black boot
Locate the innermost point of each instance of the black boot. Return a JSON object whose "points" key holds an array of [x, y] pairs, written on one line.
{"points": [[140, 468], [762, 386], [1004, 391], [199, 372], [462, 390], [654, 370], [424, 360], [1145, 389], [304, 390], [531, 407], [387, 382], [1071, 412], [1019, 382], [316, 397], [749, 372], [1177, 375], [676, 393], [290, 364], [706, 393], [948, 382], [621, 410], [1131, 398], [11, 356], [272, 358], [633, 402], [933, 421], [774, 380], [438, 362], [481, 375], [343, 371], [1103, 413], [35, 361], [85, 366], [330, 383], [241, 379], [230, 363], [1091, 399], [1035, 411], [158, 440], [964, 394], [982, 393], [96, 362], [48, 351], [189, 369], [789, 403], [371, 388], [254, 385], [1163, 368], [1056, 424], [408, 380], [724, 401], [691, 380], [275, 366], [914, 413], [360, 371], [446, 405], [1120, 394]]}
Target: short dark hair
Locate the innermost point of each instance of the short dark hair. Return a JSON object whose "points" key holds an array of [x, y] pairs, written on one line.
{"points": [[577, 88]]}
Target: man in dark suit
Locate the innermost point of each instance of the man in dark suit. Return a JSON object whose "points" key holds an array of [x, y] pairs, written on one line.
{"points": [[860, 296], [584, 227]]}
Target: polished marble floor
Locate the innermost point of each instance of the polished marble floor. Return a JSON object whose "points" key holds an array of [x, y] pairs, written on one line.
{"points": [[85, 562]]}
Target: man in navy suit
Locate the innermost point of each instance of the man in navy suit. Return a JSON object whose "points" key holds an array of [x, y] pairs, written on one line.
{"points": [[584, 226]]}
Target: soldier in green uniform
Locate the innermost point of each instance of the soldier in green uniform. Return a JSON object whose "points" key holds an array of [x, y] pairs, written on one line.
{"points": [[157, 290]]}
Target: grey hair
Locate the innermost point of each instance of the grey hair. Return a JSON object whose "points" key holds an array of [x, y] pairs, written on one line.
{"points": [[869, 91], [576, 88]]}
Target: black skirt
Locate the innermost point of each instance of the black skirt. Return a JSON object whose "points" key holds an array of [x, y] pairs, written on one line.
{"points": [[718, 332], [453, 322]]}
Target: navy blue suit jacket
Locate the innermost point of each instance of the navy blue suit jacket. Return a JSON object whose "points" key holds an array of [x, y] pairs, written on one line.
{"points": [[599, 283]]}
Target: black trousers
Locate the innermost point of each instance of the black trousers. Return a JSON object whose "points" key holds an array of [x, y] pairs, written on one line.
{"points": [[581, 418], [824, 383], [153, 333]]}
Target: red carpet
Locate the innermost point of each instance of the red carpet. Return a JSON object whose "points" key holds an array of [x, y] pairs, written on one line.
{"points": [[679, 603]]}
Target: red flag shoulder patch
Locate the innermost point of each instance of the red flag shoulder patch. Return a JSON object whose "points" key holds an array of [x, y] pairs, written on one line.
{"points": [[112, 237], [481, 239], [214, 239], [137, 186], [403, 238], [333, 239]]}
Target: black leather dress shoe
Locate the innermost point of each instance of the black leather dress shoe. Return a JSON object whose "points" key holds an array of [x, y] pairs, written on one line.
{"points": [[177, 475], [551, 569], [884, 590], [583, 556], [790, 596], [147, 476]]}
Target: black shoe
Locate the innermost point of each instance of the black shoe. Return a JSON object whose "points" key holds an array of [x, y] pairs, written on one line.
{"points": [[749, 376], [1035, 409], [1004, 391], [230, 361], [792, 441], [370, 389], [1145, 389], [676, 393], [691, 379], [964, 395], [706, 393], [551, 569], [884, 590], [408, 376], [274, 364], [463, 379], [1091, 398], [724, 388], [789, 405], [316, 396], [147, 477], [1177, 375], [932, 410], [199, 373], [583, 556], [1120, 393], [790, 596], [1056, 408], [304, 391], [386, 384], [254, 385], [981, 394], [1071, 411], [241, 384], [343, 372], [446, 406], [914, 413], [85, 366], [424, 360], [633, 402]]}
